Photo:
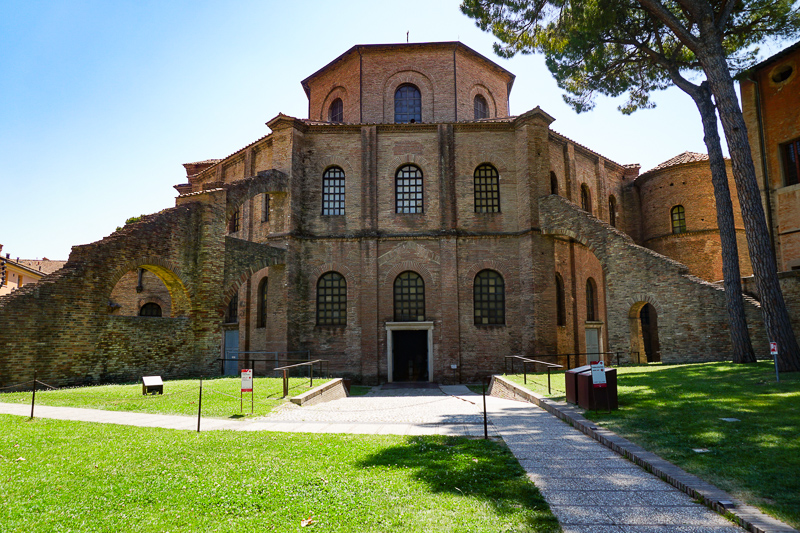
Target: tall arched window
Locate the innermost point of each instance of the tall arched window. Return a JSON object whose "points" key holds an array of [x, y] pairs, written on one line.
{"points": [[481, 107], [489, 298], [233, 223], [487, 189], [233, 310], [408, 190], [561, 302], [409, 297], [586, 199], [553, 183], [678, 219], [331, 300], [333, 191], [612, 210], [336, 111], [262, 303], [150, 309], [591, 300], [407, 104]]}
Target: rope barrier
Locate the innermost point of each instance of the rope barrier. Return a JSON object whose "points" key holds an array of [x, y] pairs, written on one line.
{"points": [[17, 385]]}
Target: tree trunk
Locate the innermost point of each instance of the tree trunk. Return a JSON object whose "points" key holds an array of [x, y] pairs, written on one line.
{"points": [[740, 335], [776, 318]]}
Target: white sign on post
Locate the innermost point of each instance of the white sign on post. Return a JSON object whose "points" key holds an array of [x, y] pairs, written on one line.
{"points": [[773, 348], [598, 374], [247, 380]]}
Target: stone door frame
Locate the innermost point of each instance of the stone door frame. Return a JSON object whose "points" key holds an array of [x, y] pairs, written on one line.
{"points": [[406, 326]]}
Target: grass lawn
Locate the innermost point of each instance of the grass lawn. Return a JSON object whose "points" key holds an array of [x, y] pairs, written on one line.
{"points": [[72, 476], [672, 409], [221, 397]]}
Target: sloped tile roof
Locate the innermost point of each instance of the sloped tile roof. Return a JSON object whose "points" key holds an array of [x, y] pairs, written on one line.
{"points": [[685, 157]]}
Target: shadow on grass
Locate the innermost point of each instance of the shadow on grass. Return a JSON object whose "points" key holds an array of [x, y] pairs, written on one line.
{"points": [[471, 468]]}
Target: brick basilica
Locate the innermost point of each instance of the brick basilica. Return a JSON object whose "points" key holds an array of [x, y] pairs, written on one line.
{"points": [[409, 229]]}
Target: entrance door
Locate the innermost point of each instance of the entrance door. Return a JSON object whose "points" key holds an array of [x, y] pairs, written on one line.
{"points": [[410, 355], [231, 352], [592, 343], [649, 320]]}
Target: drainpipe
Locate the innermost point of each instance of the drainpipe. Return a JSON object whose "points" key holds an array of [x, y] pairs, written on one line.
{"points": [[764, 168]]}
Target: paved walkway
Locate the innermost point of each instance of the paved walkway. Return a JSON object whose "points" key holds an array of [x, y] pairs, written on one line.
{"points": [[590, 488]]}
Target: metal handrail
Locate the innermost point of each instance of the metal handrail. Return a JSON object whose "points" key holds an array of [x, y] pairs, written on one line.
{"points": [[309, 364], [525, 361]]}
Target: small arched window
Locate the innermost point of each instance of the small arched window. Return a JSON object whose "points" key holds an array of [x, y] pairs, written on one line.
{"points": [[553, 183], [407, 104], [408, 190], [586, 199], [489, 298], [487, 189], [333, 191], [262, 303], [678, 219], [591, 300], [409, 297], [336, 111], [481, 107], [612, 210], [561, 307], [150, 309], [331, 300]]}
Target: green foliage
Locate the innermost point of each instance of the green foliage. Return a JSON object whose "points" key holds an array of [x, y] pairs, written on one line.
{"points": [[671, 409], [71, 476], [614, 47], [221, 397], [131, 221]]}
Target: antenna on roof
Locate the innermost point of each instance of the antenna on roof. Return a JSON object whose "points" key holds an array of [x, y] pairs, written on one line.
{"points": [[407, 37]]}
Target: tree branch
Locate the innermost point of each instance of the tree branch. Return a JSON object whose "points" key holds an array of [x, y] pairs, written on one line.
{"points": [[658, 10]]}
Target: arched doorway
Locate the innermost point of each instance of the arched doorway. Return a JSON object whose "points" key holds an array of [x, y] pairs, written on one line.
{"points": [[645, 346]]}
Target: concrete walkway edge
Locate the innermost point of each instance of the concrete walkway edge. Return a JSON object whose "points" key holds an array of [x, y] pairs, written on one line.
{"points": [[720, 501]]}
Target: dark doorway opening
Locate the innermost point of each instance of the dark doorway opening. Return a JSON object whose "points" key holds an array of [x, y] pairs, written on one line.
{"points": [[410, 355], [649, 320]]}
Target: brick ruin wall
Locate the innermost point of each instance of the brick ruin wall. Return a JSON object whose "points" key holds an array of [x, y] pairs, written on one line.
{"points": [[692, 318]]}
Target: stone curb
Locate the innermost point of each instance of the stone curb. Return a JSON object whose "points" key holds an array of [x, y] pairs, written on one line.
{"points": [[332, 390], [718, 500]]}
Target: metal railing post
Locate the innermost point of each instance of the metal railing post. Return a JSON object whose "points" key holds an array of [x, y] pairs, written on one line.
{"points": [[285, 384]]}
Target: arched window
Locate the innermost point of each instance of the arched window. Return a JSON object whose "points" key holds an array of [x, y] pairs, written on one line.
{"points": [[262, 303], [791, 161], [481, 107], [333, 191], [408, 190], [489, 298], [407, 104], [612, 210], [233, 310], [591, 300], [553, 183], [678, 219], [331, 300], [586, 199], [487, 189], [233, 223], [336, 111], [409, 297], [561, 302], [150, 309]]}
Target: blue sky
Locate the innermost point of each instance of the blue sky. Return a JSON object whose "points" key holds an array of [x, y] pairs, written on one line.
{"points": [[101, 102]]}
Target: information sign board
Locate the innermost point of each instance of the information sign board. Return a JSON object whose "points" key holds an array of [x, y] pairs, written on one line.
{"points": [[598, 374], [247, 380], [773, 348]]}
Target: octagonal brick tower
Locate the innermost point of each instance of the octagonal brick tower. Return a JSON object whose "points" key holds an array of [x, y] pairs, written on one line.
{"points": [[450, 78]]}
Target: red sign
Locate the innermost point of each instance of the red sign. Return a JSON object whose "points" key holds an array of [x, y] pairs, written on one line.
{"points": [[598, 374], [773, 348], [247, 380]]}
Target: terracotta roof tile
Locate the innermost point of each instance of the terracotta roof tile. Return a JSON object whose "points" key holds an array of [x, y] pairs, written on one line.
{"points": [[45, 266], [685, 157]]}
